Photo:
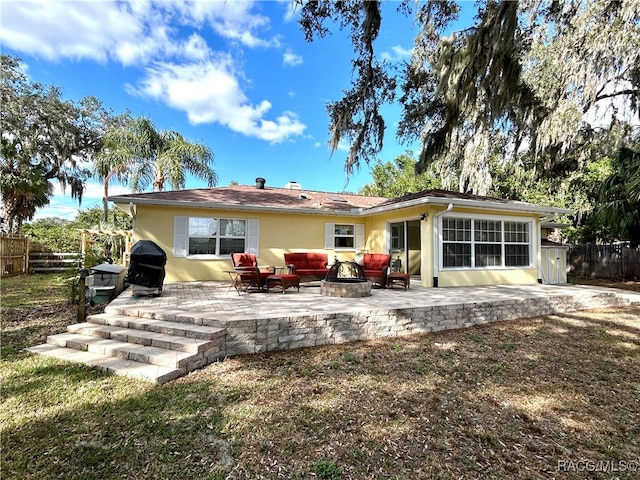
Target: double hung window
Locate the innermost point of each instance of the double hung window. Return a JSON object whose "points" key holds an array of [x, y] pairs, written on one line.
{"points": [[343, 236], [516, 239], [211, 236]]}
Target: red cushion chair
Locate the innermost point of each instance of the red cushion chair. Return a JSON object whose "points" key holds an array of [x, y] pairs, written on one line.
{"points": [[376, 267], [251, 275]]}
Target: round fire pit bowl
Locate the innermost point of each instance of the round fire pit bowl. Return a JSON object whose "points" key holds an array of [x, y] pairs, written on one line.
{"points": [[345, 289], [347, 280]]}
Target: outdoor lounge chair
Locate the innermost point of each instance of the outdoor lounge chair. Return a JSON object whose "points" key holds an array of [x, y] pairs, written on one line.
{"points": [[376, 267], [250, 275]]}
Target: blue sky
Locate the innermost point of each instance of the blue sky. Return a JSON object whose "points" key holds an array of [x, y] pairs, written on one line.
{"points": [[237, 76]]}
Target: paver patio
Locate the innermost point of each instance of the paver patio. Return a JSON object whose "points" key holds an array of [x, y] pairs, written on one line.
{"points": [[147, 334]]}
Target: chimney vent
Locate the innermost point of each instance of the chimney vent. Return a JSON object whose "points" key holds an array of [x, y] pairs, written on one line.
{"points": [[260, 183], [293, 185]]}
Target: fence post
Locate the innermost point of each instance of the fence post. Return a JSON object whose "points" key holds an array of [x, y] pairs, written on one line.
{"points": [[82, 297]]}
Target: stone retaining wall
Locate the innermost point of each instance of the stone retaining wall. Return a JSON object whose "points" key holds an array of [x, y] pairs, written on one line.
{"points": [[266, 334]]}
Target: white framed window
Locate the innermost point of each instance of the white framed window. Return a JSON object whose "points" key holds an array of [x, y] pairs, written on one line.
{"points": [[209, 237], [485, 242], [516, 239], [397, 237], [456, 242], [343, 236]]}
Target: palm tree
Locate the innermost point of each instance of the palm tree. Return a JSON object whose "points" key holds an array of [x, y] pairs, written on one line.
{"points": [[138, 154], [619, 208]]}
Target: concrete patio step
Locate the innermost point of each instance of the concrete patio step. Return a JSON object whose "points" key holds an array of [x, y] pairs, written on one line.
{"points": [[149, 349], [180, 329], [116, 308], [129, 351], [113, 365], [141, 337]]}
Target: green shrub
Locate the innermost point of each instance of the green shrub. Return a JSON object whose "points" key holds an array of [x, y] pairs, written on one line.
{"points": [[327, 470]]}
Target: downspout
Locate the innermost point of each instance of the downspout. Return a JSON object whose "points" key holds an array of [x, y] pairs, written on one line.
{"points": [[133, 209], [436, 243]]}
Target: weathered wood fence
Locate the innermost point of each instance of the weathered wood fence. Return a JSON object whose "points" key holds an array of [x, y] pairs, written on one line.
{"points": [[604, 261], [43, 260], [14, 251], [20, 255]]}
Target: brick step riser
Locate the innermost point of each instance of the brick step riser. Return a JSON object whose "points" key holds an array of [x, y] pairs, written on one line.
{"points": [[116, 352], [166, 315], [185, 363], [140, 337], [189, 330]]}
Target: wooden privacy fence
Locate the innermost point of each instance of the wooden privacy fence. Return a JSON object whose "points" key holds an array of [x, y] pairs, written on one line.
{"points": [[14, 251], [20, 255], [604, 261]]}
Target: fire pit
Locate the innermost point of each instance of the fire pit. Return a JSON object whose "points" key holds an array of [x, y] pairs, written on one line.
{"points": [[345, 279]]}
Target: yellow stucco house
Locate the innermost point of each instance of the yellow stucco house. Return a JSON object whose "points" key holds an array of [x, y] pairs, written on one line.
{"points": [[445, 238]]}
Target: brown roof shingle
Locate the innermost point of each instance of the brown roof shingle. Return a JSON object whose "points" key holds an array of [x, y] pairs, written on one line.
{"points": [[250, 196]]}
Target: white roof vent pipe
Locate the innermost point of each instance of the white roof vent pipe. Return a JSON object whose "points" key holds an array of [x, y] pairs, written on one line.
{"points": [[293, 185]]}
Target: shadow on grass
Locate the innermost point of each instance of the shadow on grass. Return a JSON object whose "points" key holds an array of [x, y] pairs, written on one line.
{"points": [[64, 421], [508, 400]]}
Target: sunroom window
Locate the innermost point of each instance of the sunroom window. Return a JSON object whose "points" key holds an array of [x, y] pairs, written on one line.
{"points": [[485, 243], [456, 238], [516, 239]]}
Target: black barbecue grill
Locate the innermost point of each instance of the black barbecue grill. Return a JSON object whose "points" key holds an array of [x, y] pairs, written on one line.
{"points": [[146, 268]]}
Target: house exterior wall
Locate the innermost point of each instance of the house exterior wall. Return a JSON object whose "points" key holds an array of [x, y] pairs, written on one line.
{"points": [[282, 232], [278, 233], [378, 234]]}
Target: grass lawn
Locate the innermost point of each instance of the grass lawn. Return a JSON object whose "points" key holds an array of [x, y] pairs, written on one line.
{"points": [[551, 397]]}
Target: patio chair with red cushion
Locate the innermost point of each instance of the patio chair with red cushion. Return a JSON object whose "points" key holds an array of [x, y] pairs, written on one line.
{"points": [[376, 267], [250, 275]]}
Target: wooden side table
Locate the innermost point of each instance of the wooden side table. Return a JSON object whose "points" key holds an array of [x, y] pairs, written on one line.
{"points": [[403, 279]]}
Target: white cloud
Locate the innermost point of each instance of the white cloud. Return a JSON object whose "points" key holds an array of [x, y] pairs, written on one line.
{"points": [[292, 11], [131, 33], [209, 92], [77, 30], [184, 73], [290, 58], [396, 53], [234, 20]]}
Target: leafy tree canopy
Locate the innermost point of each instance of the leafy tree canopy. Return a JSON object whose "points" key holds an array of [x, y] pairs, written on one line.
{"points": [[532, 76], [617, 215], [394, 179], [61, 235], [44, 139]]}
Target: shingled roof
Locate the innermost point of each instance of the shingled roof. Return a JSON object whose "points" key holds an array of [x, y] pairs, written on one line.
{"points": [[249, 197]]}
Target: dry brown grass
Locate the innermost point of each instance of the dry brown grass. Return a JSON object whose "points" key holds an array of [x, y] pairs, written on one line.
{"points": [[508, 400], [538, 398]]}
